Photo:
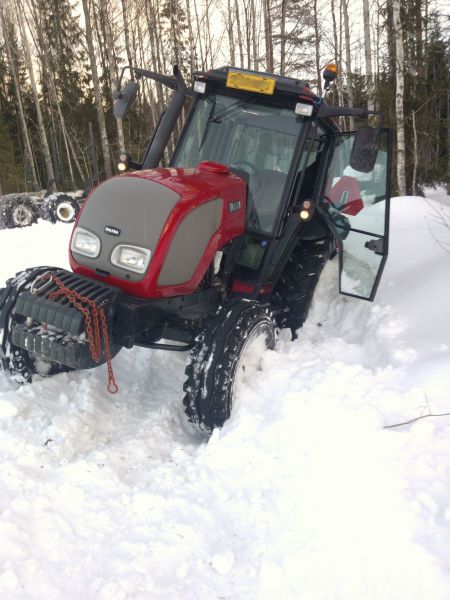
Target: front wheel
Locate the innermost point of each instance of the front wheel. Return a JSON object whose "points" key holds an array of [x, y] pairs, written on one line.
{"points": [[226, 353], [23, 366]]}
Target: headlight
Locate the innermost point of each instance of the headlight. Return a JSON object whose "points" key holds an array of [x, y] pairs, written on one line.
{"points": [[86, 243], [131, 258]]}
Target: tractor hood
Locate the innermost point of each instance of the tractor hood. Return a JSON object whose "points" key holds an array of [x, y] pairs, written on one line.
{"points": [[154, 233]]}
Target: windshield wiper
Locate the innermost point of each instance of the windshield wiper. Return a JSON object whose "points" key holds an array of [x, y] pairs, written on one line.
{"points": [[225, 111], [231, 108]]}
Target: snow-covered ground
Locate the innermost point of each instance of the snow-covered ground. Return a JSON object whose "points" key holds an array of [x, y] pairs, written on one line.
{"points": [[302, 495]]}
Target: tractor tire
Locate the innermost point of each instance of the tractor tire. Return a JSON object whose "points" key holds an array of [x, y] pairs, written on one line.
{"points": [[295, 288], [229, 342], [62, 207], [67, 209], [19, 212], [22, 366]]}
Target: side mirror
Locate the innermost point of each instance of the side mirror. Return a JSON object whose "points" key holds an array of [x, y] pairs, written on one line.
{"points": [[124, 99], [365, 149]]}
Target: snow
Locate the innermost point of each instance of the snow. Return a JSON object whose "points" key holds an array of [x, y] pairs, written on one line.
{"points": [[302, 494]]}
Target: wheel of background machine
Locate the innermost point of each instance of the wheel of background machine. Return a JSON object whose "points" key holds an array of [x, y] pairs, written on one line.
{"points": [[19, 212], [226, 353], [295, 288], [20, 363], [60, 207], [66, 209]]}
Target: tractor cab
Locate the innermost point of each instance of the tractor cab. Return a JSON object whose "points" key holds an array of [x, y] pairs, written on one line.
{"points": [[256, 138], [301, 170]]}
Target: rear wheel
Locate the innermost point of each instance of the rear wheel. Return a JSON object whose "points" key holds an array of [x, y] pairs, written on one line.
{"points": [[295, 288], [23, 366], [227, 352]]}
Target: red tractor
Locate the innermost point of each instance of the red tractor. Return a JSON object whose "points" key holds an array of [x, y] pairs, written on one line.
{"points": [[215, 252]]}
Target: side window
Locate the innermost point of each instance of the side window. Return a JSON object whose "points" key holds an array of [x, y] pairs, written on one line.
{"points": [[309, 166], [349, 191], [355, 205]]}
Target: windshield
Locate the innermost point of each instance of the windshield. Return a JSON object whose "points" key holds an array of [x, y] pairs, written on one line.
{"points": [[256, 140]]}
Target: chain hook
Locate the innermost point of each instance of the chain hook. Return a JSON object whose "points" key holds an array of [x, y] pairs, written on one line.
{"points": [[44, 279]]}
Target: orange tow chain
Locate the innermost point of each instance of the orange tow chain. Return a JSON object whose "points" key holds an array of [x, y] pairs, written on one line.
{"points": [[94, 317]]}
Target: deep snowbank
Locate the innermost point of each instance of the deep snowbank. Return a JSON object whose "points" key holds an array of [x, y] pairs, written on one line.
{"points": [[303, 494]]}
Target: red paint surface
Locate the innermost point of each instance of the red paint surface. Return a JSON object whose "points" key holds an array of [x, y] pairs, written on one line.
{"points": [[195, 187], [240, 287], [354, 203], [211, 166]]}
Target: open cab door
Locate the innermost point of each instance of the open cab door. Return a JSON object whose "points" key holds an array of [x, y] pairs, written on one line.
{"points": [[355, 202]]}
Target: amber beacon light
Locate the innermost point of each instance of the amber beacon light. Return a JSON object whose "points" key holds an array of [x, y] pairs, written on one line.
{"points": [[329, 74]]}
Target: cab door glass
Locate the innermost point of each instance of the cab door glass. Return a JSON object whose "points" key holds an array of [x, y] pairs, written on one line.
{"points": [[356, 207]]}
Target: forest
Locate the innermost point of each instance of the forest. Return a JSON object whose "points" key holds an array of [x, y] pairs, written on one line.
{"points": [[61, 62]]}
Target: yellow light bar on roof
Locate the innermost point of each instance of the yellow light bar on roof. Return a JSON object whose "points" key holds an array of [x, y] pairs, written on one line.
{"points": [[250, 83]]}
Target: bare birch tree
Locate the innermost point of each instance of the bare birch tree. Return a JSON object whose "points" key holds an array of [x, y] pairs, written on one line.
{"points": [[106, 11], [239, 32], [317, 36], [348, 59], [399, 97], [448, 137], [97, 92], [126, 31], [40, 119], [283, 8], [368, 54], [30, 168], [338, 53], [268, 35]]}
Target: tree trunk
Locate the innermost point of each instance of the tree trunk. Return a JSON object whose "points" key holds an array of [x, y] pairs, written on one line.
{"points": [[448, 140], [254, 35], [192, 49], [368, 54], [417, 8], [399, 95], [53, 97], [239, 33], [268, 35], [338, 55], [414, 178], [208, 42], [31, 175], [126, 31], [283, 37], [156, 66], [104, 6], [97, 93], [199, 36], [248, 33], [348, 61], [317, 47], [50, 184]]}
